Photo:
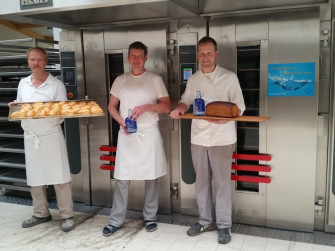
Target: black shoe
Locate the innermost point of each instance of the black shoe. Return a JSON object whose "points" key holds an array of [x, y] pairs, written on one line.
{"points": [[67, 224], [33, 221], [198, 229], [109, 230], [224, 236], [150, 226]]}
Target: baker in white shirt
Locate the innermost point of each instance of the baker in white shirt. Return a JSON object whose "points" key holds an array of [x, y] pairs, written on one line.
{"points": [[140, 155], [212, 141], [44, 144]]}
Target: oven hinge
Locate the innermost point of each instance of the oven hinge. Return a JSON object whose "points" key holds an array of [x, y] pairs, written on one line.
{"points": [[174, 191], [318, 207]]}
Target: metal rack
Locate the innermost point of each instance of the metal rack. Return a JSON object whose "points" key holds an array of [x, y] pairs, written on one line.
{"points": [[14, 67]]}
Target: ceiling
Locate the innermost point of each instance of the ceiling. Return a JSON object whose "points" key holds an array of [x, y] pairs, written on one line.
{"points": [[29, 30], [101, 13]]}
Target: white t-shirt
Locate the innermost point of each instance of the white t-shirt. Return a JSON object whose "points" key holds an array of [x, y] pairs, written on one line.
{"points": [[133, 91], [140, 156], [52, 89], [220, 85]]}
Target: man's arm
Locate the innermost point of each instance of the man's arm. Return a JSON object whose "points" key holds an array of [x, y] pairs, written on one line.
{"points": [[113, 111], [163, 106], [180, 109]]}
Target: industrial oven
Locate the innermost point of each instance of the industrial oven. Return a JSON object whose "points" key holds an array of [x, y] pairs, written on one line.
{"points": [[267, 44]]}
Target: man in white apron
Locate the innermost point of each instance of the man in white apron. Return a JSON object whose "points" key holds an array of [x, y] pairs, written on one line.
{"points": [[45, 148], [140, 155], [212, 141]]}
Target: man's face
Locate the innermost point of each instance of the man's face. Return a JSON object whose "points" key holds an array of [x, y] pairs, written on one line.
{"points": [[137, 58], [36, 61], [206, 56]]}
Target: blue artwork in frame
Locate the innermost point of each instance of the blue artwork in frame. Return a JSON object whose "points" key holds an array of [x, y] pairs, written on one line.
{"points": [[291, 79]]}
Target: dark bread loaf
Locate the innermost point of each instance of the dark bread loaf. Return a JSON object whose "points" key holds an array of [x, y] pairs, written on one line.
{"points": [[222, 109]]}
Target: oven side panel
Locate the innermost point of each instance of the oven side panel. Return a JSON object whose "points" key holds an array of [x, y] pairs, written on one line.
{"points": [[292, 129]]}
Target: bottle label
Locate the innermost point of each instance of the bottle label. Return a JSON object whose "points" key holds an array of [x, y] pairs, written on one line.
{"points": [[131, 125], [199, 107]]}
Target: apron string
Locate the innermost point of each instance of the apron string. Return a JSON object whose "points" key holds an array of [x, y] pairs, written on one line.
{"points": [[33, 135]]}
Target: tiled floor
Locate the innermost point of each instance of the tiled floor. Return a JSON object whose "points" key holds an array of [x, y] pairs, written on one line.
{"points": [[132, 237], [172, 237]]}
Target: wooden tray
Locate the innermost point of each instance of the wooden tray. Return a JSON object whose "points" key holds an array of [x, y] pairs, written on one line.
{"points": [[240, 118], [17, 106]]}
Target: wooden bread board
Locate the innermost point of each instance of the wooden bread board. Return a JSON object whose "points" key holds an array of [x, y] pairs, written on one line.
{"points": [[239, 118]]}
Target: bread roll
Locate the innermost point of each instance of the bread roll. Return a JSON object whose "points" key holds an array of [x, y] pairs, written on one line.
{"points": [[64, 106], [222, 109], [76, 108], [17, 114], [37, 104], [71, 103], [25, 106], [42, 111], [56, 106], [96, 110], [81, 103], [91, 103], [37, 108], [54, 112], [61, 102], [30, 113], [66, 110], [84, 111], [86, 106], [49, 105], [26, 109]]}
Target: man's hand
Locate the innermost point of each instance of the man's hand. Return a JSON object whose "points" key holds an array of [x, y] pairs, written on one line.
{"points": [[138, 111], [123, 126], [180, 109], [11, 103], [175, 113]]}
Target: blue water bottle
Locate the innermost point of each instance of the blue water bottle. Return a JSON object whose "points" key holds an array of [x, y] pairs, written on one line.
{"points": [[131, 125], [199, 105]]}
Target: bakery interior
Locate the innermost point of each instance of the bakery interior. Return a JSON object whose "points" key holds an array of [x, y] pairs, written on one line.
{"points": [[88, 50]]}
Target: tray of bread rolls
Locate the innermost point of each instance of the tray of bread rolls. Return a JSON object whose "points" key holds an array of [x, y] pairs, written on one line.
{"points": [[55, 109]]}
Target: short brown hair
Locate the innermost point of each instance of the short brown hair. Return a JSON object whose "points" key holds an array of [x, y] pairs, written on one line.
{"points": [[138, 45], [206, 40], [40, 49]]}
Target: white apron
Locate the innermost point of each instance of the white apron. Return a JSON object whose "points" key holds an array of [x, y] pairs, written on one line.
{"points": [[46, 157], [140, 156]]}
